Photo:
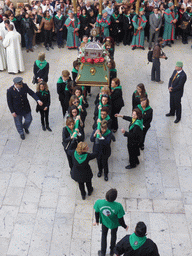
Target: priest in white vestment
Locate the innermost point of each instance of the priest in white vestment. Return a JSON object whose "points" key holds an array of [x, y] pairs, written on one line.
{"points": [[14, 56], [2, 54]]}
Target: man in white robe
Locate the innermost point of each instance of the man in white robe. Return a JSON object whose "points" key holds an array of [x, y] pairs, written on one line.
{"points": [[14, 56], [2, 54], [4, 24]]}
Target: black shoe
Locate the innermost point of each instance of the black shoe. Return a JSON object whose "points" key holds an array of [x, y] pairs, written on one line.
{"points": [[59, 46], [117, 44], [83, 197], [133, 48], [142, 147], [129, 167], [49, 129], [26, 131], [62, 46], [52, 47], [90, 192], [106, 177], [169, 45], [22, 136], [169, 114], [47, 48], [177, 121], [99, 174], [43, 127], [100, 253]]}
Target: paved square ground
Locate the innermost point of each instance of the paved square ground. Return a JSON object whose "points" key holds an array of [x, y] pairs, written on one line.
{"points": [[42, 213]]}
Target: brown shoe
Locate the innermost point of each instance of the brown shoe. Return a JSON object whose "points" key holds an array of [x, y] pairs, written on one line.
{"points": [[31, 50], [160, 82], [27, 50], [149, 48]]}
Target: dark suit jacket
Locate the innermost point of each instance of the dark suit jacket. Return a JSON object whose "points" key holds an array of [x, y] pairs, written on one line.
{"points": [[17, 101], [178, 83]]}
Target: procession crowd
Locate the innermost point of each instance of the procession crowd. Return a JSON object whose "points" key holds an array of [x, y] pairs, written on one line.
{"points": [[46, 21]]}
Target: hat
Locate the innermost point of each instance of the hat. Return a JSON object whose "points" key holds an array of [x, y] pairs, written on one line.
{"points": [[141, 9], [104, 11], [170, 4], [179, 64], [17, 80]]}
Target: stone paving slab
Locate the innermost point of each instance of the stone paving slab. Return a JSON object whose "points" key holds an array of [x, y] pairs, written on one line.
{"points": [[41, 210]]}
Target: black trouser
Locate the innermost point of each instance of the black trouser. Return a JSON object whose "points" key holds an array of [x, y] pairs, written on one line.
{"points": [[82, 187], [114, 119], [175, 104], [48, 37], [127, 36], [133, 154], [155, 71], [45, 117], [102, 162], [184, 36], [69, 158], [104, 239], [60, 38], [145, 129]]}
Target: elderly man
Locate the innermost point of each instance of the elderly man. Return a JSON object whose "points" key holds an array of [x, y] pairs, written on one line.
{"points": [[137, 244], [170, 22], [19, 105], [176, 88], [12, 43], [155, 21]]}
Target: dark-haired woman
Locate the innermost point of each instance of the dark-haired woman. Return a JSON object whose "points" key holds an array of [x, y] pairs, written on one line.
{"points": [[74, 113], [138, 94], [117, 101], [127, 27], [104, 116], [70, 135], [112, 71], [84, 24], [147, 112], [104, 103], [134, 136]]}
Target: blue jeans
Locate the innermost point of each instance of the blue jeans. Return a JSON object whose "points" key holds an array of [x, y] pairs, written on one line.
{"points": [[28, 41], [20, 125]]}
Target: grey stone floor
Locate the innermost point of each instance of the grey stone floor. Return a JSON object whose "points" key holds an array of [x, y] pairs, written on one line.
{"points": [[41, 210]]}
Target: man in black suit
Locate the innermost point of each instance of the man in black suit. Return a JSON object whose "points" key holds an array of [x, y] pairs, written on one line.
{"points": [[19, 105], [176, 87]]}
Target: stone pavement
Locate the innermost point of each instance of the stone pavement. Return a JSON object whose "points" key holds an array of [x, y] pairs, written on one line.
{"points": [[42, 213]]}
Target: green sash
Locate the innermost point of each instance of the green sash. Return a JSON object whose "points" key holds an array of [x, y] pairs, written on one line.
{"points": [[113, 69], [136, 242], [41, 64], [43, 92], [80, 158], [104, 105], [75, 70], [49, 18], [118, 87], [14, 19], [60, 81], [107, 118], [106, 133], [69, 130], [143, 110], [58, 17], [137, 122], [115, 16]]}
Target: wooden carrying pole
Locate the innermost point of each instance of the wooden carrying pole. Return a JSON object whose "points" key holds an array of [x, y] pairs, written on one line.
{"points": [[137, 7], [75, 6], [175, 3], [100, 7]]}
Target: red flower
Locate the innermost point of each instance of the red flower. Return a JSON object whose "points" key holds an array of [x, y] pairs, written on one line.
{"points": [[96, 60], [90, 60], [83, 59], [101, 59]]}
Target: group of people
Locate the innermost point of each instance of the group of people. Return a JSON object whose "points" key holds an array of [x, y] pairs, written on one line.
{"points": [[47, 20]]}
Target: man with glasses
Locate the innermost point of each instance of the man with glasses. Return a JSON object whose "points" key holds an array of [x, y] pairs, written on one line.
{"points": [[19, 105]]}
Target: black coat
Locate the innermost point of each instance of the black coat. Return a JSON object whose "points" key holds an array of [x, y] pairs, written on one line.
{"points": [[116, 26], [178, 83], [123, 247], [41, 73], [66, 139], [134, 136], [83, 24], [28, 26], [104, 146], [64, 95], [82, 172], [117, 100], [17, 101], [127, 22], [96, 112], [59, 23], [45, 98]]}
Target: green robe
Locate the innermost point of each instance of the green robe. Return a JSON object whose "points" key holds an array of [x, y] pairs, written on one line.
{"points": [[103, 24], [169, 27], [139, 35], [72, 38]]}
